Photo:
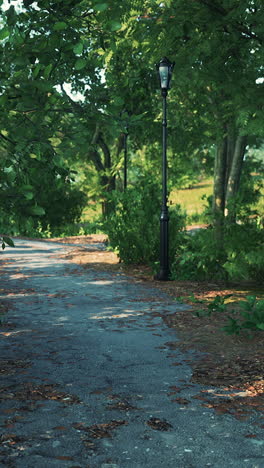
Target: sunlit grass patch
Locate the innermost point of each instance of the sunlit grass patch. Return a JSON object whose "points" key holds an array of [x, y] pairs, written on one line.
{"points": [[193, 200]]}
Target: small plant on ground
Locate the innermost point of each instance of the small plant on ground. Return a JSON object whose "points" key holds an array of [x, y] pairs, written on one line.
{"points": [[218, 304], [248, 314], [251, 317]]}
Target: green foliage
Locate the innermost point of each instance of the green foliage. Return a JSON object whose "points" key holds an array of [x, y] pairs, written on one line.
{"points": [[75, 229], [6, 241], [251, 317], [196, 257], [196, 201], [242, 258], [248, 314], [36, 192], [134, 226], [45, 45], [63, 206], [245, 252], [245, 203], [218, 304]]}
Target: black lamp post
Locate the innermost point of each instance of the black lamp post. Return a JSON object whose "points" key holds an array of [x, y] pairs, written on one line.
{"points": [[164, 68], [125, 155]]}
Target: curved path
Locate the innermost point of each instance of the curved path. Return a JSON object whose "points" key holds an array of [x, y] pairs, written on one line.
{"points": [[89, 380]]}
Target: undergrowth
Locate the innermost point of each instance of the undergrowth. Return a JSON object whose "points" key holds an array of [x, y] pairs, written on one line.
{"points": [[247, 315], [242, 258]]}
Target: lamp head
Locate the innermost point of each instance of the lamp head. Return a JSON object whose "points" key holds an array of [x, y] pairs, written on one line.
{"points": [[165, 68]]}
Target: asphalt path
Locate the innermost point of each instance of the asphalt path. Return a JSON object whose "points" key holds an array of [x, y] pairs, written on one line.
{"points": [[89, 380]]}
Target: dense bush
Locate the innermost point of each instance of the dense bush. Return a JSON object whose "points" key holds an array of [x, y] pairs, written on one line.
{"points": [[134, 226], [38, 199], [196, 258], [245, 252], [241, 259]]}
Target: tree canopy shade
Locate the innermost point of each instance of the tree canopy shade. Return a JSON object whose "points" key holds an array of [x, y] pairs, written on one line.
{"points": [[218, 49], [106, 52], [44, 46]]}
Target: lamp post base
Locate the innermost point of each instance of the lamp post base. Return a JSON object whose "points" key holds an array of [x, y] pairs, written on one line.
{"points": [[164, 272], [163, 275]]}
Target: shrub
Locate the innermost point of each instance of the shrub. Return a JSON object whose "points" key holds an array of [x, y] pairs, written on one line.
{"points": [[134, 226], [196, 258], [251, 317], [245, 252], [242, 258]]}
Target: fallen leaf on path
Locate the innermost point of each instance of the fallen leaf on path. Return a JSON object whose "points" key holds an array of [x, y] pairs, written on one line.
{"points": [[181, 401], [10, 366], [121, 405], [37, 392], [159, 424], [100, 431]]}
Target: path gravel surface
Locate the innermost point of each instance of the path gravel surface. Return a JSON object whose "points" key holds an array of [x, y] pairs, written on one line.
{"points": [[88, 378]]}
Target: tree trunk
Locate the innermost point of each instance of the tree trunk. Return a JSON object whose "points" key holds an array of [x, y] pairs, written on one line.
{"points": [[227, 172], [219, 192], [108, 185], [108, 179], [234, 179], [103, 163], [231, 141]]}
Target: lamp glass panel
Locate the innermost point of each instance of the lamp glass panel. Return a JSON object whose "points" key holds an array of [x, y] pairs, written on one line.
{"points": [[164, 73]]}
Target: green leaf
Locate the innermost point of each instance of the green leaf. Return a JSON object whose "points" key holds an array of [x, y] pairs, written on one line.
{"points": [[100, 51], [26, 188], [29, 195], [260, 326], [108, 57], [37, 210], [80, 64], [260, 306], [3, 99], [8, 241], [4, 33], [251, 300], [60, 26], [78, 48], [21, 61], [118, 101], [101, 6], [138, 117], [55, 141], [18, 38], [115, 25], [36, 70], [43, 85], [47, 70]]}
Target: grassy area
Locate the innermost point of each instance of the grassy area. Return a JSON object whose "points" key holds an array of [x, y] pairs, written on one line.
{"points": [[191, 199]]}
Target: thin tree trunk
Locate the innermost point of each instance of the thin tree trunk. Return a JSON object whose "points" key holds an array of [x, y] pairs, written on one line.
{"points": [[231, 141], [234, 178], [108, 180], [219, 192], [108, 185]]}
